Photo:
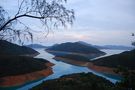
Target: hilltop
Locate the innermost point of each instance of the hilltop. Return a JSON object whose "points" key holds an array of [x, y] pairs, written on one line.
{"points": [[75, 47]]}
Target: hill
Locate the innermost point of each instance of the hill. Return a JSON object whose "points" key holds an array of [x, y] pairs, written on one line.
{"points": [[75, 48], [125, 59], [16, 65], [81, 81], [7, 48], [114, 47], [36, 46], [18, 70]]}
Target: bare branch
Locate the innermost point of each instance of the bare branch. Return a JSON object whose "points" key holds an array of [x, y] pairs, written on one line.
{"points": [[50, 13]]}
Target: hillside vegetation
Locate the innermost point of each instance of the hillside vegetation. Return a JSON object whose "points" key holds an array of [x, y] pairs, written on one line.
{"points": [[7, 48], [16, 65], [75, 48], [81, 81], [125, 59]]}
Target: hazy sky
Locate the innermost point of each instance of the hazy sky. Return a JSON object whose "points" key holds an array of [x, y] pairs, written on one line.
{"points": [[97, 22]]}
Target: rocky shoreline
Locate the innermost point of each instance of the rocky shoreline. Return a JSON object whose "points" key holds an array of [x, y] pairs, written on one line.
{"points": [[17, 80]]}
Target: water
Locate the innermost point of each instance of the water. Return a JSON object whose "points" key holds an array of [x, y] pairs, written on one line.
{"points": [[109, 52], [61, 68]]}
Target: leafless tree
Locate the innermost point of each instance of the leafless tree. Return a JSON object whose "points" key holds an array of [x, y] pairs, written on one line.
{"points": [[47, 11]]}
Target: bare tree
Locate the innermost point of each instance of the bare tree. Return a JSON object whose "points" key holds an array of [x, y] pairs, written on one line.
{"points": [[47, 11]]}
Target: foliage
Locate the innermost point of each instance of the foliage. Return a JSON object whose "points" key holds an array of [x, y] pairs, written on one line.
{"points": [[81, 81], [75, 48], [128, 81], [125, 59], [17, 65], [87, 81]]}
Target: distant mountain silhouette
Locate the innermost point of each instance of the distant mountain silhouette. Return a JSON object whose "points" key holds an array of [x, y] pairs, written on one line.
{"points": [[75, 47], [125, 59], [84, 43], [114, 47], [7, 48], [36, 46]]}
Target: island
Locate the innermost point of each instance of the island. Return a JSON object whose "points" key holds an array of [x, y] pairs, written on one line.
{"points": [[75, 48]]}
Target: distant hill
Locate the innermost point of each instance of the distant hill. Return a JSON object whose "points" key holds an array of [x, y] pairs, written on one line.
{"points": [[84, 43], [114, 47], [36, 46], [75, 47], [125, 59], [7, 48]]}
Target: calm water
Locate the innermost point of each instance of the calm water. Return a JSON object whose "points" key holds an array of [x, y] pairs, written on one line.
{"points": [[61, 68], [109, 52]]}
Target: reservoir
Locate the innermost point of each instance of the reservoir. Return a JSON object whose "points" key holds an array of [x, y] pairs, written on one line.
{"points": [[61, 68]]}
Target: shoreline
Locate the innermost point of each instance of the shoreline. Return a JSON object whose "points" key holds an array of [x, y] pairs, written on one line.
{"points": [[90, 65], [16, 80]]}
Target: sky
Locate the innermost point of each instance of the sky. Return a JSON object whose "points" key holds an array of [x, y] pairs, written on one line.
{"points": [[100, 22]]}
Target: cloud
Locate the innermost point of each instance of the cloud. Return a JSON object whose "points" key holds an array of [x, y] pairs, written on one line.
{"points": [[106, 14], [97, 21]]}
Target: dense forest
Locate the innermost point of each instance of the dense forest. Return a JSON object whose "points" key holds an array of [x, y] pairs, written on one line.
{"points": [[86, 81], [125, 59]]}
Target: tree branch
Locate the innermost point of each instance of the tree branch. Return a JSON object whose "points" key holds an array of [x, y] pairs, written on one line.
{"points": [[24, 15]]}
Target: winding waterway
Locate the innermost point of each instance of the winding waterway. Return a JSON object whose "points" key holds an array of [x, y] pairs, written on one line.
{"points": [[61, 68]]}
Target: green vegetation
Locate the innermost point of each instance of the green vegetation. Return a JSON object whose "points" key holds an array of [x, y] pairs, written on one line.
{"points": [[81, 81], [125, 59], [16, 65]]}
